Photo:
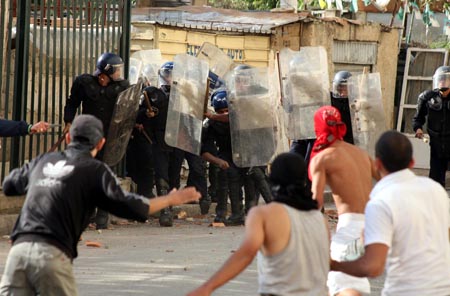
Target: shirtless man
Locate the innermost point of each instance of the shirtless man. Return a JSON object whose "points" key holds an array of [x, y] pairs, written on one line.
{"points": [[348, 171], [289, 237]]}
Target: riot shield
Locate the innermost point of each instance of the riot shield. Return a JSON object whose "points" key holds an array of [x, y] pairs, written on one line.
{"points": [[122, 124], [135, 70], [305, 88], [219, 62], [252, 112], [186, 103], [366, 110], [151, 61]]}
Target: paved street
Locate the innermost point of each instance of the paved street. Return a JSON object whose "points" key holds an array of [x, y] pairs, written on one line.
{"points": [[145, 259]]}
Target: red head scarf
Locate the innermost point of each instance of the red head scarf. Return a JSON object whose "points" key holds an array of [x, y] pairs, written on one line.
{"points": [[328, 127]]}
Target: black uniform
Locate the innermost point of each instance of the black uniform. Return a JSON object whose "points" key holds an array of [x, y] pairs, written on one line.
{"points": [[255, 182], [434, 109], [214, 134], [342, 104], [157, 128], [63, 189], [96, 100], [140, 155]]}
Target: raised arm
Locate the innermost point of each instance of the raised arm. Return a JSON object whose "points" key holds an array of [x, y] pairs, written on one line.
{"points": [[12, 128], [236, 263], [133, 206]]}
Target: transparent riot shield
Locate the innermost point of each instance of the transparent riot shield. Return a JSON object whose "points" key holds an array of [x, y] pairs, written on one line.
{"points": [[122, 124], [305, 88], [252, 113], [366, 110], [151, 61], [219, 62], [135, 70], [186, 103]]}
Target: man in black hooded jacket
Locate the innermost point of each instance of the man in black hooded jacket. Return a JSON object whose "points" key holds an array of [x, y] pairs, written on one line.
{"points": [[62, 191]]}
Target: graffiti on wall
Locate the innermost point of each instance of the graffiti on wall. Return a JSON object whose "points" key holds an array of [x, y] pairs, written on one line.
{"points": [[234, 54]]}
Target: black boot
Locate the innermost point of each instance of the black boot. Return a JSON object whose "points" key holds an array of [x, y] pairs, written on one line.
{"points": [[204, 203], [213, 175], [166, 217], [101, 219], [220, 219], [235, 220], [237, 212]]}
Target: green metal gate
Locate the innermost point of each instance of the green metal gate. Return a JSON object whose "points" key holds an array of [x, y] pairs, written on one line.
{"points": [[55, 41]]}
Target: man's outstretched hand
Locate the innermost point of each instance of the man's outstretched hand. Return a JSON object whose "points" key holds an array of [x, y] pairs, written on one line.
{"points": [[184, 195], [40, 127]]}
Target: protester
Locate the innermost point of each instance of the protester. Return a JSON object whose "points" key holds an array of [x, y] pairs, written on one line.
{"points": [[348, 171], [289, 237], [62, 191], [407, 226]]}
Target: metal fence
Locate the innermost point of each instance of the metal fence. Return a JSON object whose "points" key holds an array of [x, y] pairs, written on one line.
{"points": [[45, 45]]}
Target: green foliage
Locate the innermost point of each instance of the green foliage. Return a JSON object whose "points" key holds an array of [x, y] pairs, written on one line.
{"points": [[441, 43], [245, 4], [230, 4]]}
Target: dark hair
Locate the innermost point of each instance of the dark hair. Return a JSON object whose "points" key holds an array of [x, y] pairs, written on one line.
{"points": [[394, 150], [288, 182]]}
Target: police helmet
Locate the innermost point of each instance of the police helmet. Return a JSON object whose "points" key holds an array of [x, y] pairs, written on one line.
{"points": [[219, 100], [150, 75], [214, 81], [340, 83], [165, 73], [112, 65], [242, 75], [242, 67], [441, 78]]}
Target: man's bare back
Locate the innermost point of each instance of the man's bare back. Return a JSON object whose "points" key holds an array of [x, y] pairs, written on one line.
{"points": [[348, 171]]}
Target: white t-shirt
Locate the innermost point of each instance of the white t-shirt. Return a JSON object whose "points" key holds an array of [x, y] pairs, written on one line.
{"points": [[411, 215]]}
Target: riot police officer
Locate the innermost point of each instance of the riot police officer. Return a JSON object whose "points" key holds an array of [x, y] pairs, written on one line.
{"points": [[255, 182], [97, 94], [139, 151], [159, 100], [433, 108], [197, 166], [217, 133], [339, 100]]}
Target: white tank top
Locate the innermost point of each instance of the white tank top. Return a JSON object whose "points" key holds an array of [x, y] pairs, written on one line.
{"points": [[302, 267]]}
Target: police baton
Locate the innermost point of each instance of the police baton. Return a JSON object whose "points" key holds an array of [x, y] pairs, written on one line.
{"points": [[58, 143], [151, 110], [205, 106]]}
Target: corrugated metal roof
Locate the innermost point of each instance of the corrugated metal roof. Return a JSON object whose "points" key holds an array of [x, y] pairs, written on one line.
{"points": [[219, 19], [364, 53]]}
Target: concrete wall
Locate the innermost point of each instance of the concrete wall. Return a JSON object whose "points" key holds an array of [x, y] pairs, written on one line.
{"points": [[255, 48]]}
